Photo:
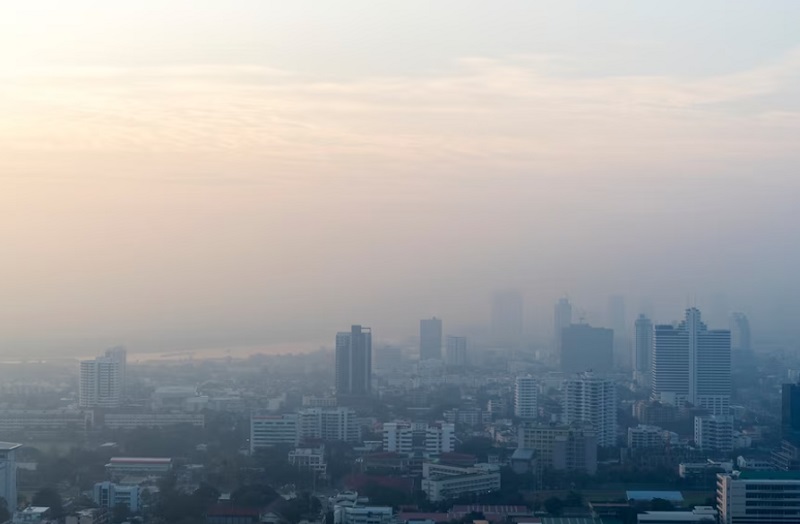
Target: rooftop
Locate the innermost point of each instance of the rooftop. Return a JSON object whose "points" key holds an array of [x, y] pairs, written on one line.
{"points": [[672, 496], [8, 446], [769, 475], [140, 460]]}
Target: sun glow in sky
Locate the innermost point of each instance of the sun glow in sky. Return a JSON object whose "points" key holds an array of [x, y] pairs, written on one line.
{"points": [[200, 172]]}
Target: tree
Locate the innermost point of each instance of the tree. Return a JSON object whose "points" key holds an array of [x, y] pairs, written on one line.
{"points": [[574, 499], [49, 498], [554, 505], [254, 496], [120, 513], [661, 505], [5, 514]]}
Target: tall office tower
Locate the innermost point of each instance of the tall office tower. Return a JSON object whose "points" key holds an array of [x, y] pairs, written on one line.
{"points": [[758, 497], [100, 385], [714, 433], [692, 364], [616, 320], [120, 355], [586, 348], [643, 349], [526, 398], [592, 400], [790, 413], [430, 339], [562, 318], [456, 352], [354, 362], [507, 320], [8, 473]]}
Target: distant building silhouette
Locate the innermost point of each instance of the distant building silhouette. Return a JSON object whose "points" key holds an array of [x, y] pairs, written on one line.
{"points": [[456, 351], [507, 320], [354, 362], [430, 339], [562, 318], [790, 413], [617, 322], [586, 348], [643, 349], [692, 364]]}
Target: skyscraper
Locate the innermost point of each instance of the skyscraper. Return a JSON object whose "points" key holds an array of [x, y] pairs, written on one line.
{"points": [[526, 398], [790, 412], [8, 473], [692, 364], [586, 348], [592, 400], [120, 355], [507, 320], [456, 351], [430, 339], [740, 333], [354, 362], [643, 349], [562, 318], [100, 383]]}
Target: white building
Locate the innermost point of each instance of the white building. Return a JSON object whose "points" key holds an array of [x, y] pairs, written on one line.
{"points": [[309, 458], [44, 421], [8, 472], [398, 437], [130, 421], [119, 467], [270, 430], [526, 398], [119, 355], [699, 515], [100, 383], [356, 514], [692, 364], [109, 495], [31, 515], [644, 436], [333, 424], [714, 433], [756, 497], [440, 438], [456, 351], [442, 482], [592, 400]]}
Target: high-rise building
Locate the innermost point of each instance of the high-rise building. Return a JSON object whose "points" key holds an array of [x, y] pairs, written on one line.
{"points": [[592, 400], [562, 318], [440, 438], [100, 383], [354, 362], [586, 348], [617, 322], [334, 424], [740, 333], [430, 339], [643, 349], [692, 364], [456, 351], [714, 433], [507, 320], [398, 437], [120, 355], [526, 398], [758, 497], [8, 473], [570, 448], [790, 412]]}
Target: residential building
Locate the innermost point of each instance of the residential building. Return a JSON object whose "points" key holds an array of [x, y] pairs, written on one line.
{"points": [[644, 436], [109, 495], [31, 515], [714, 433], [456, 351], [119, 355], [333, 424], [119, 467], [440, 482], [570, 448], [643, 349], [440, 438], [398, 437], [128, 421], [270, 430], [100, 383], [692, 364], [756, 497], [526, 398], [593, 400], [357, 514], [312, 459], [586, 348], [44, 421], [354, 362], [310, 401], [430, 339], [8, 472]]}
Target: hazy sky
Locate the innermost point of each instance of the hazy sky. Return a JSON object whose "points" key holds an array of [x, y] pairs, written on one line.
{"points": [[193, 173]]}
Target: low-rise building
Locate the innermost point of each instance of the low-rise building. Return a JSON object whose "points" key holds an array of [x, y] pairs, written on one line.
{"points": [[109, 495], [312, 459], [645, 436], [714, 433], [699, 515], [119, 467], [442, 482], [756, 497], [31, 515], [129, 421], [362, 514]]}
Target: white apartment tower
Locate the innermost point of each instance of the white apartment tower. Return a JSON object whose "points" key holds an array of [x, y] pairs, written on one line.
{"points": [[526, 398], [100, 383], [592, 400], [692, 364], [714, 433]]}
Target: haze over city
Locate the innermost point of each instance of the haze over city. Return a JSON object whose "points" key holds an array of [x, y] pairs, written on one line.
{"points": [[192, 175]]}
